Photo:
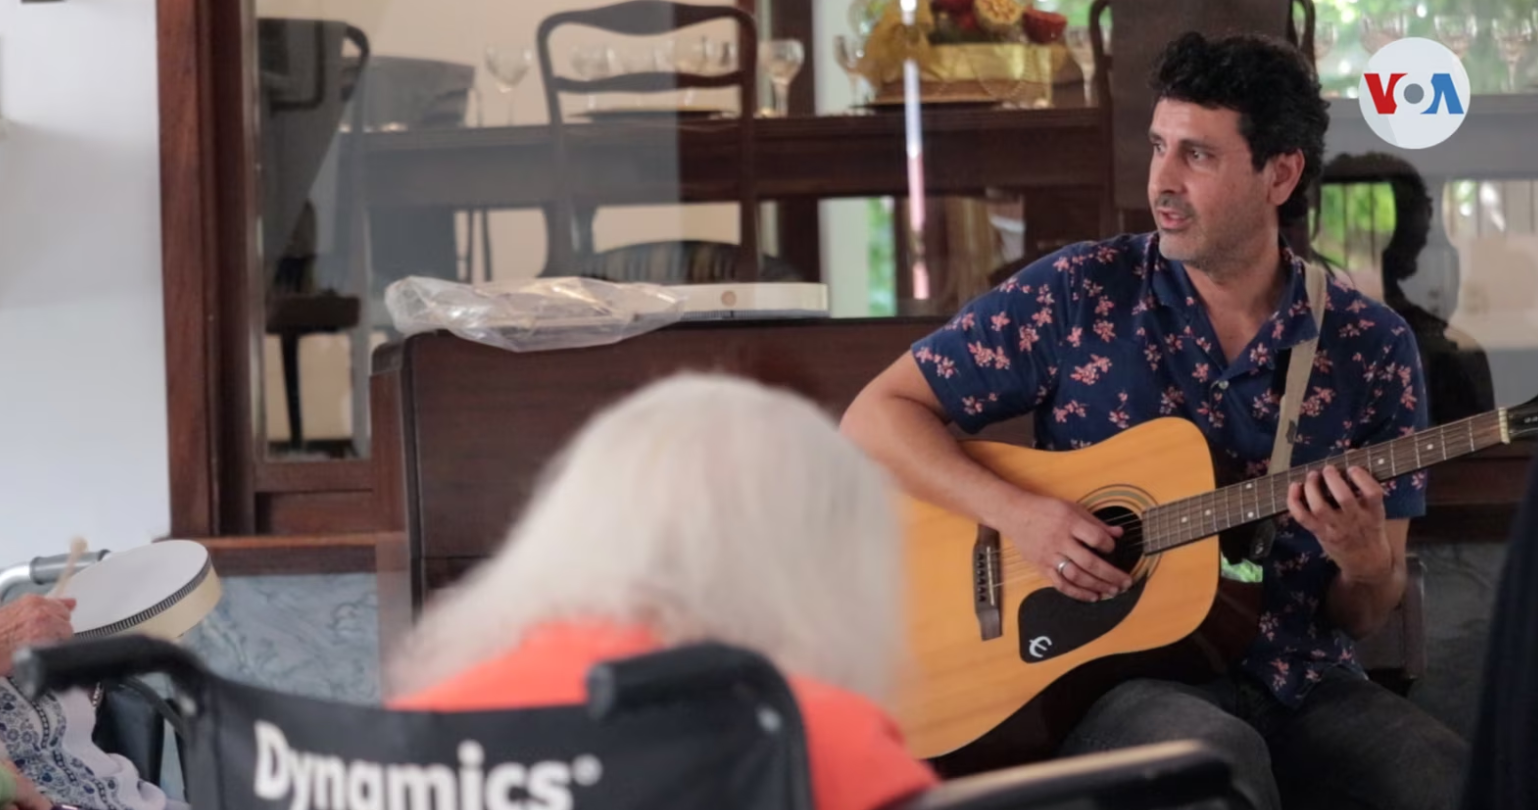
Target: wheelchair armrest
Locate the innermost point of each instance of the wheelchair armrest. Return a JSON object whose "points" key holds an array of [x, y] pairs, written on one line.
{"points": [[1171, 774], [76, 663]]}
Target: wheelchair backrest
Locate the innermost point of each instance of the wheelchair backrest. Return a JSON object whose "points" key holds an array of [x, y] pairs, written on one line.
{"points": [[701, 727], [256, 749]]}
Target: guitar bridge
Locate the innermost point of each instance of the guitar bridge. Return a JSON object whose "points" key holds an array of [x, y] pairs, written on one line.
{"points": [[987, 583]]}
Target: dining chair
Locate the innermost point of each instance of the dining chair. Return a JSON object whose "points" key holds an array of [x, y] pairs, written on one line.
{"points": [[571, 249]]}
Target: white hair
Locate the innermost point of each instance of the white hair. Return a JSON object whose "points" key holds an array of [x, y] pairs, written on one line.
{"points": [[703, 507]]}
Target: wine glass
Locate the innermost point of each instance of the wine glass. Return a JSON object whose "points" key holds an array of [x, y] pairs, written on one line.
{"points": [[1456, 31], [1082, 49], [781, 60], [698, 58], [1381, 30], [508, 66], [594, 62], [1512, 38], [1325, 37], [640, 58], [728, 57], [849, 51]]}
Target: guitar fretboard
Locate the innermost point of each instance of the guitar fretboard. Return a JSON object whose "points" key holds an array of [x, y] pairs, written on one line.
{"points": [[1179, 522]]}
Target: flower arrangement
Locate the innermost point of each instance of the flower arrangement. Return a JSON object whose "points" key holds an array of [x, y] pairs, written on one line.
{"points": [[969, 49], [961, 21]]}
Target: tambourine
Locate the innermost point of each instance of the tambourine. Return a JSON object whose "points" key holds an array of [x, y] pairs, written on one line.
{"points": [[162, 590]]}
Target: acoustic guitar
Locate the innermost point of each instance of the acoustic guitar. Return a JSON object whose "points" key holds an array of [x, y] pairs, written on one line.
{"points": [[991, 640]]}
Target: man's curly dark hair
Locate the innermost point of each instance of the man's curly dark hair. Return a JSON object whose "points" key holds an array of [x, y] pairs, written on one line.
{"points": [[1270, 84]]}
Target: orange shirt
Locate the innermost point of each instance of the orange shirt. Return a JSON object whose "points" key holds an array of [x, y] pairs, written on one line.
{"points": [[858, 760]]}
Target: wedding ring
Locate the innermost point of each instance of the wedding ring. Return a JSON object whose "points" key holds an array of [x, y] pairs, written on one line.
{"points": [[1061, 566]]}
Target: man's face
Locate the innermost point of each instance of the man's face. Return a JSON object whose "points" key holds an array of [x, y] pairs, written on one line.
{"points": [[1207, 199]]}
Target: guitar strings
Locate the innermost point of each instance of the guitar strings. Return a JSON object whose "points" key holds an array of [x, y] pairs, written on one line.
{"points": [[1289, 475], [1135, 538]]}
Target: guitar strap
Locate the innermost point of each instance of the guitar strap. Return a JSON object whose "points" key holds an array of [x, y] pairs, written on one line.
{"points": [[1299, 366], [1298, 369]]}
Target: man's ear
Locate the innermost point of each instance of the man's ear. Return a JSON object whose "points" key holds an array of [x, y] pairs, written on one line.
{"points": [[1286, 173]]}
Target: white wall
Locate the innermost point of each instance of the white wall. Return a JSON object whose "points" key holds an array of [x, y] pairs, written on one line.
{"points": [[82, 357]]}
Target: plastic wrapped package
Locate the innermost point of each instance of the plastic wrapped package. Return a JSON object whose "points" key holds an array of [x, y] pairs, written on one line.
{"points": [[540, 314]]}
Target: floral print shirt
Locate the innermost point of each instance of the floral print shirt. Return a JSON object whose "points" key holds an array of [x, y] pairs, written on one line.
{"points": [[1099, 337], [49, 740]]}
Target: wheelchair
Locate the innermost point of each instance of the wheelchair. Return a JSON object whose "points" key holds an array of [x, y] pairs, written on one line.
{"points": [[699, 727]]}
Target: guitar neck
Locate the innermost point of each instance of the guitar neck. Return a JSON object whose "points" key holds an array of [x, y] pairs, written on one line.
{"points": [[1184, 521]]}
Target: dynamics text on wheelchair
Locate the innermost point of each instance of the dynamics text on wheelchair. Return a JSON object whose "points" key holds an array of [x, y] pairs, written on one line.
{"points": [[323, 782]]}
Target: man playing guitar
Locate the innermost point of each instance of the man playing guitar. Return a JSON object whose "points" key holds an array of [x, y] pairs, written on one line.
{"points": [[1196, 320]]}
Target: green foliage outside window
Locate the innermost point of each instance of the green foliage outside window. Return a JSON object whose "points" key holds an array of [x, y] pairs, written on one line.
{"points": [[883, 259]]}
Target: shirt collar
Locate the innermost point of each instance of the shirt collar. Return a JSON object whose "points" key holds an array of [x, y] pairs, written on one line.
{"points": [[1292, 323]]}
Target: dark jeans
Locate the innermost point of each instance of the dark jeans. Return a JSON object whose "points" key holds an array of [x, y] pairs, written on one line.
{"points": [[1352, 744]]}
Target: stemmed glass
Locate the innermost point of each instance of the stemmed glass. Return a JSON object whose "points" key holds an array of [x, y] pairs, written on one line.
{"points": [[781, 60], [849, 52], [1082, 49], [1512, 38], [594, 62], [640, 58], [1325, 37], [1456, 31], [508, 66], [698, 58], [1380, 31]]}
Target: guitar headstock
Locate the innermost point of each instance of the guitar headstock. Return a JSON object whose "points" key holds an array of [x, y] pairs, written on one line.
{"points": [[1522, 420]]}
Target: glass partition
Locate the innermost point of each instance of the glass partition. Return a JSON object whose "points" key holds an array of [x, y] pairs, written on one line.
{"points": [[407, 138]]}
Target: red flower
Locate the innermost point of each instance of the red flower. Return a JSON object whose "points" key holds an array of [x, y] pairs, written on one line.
{"points": [[1043, 26]]}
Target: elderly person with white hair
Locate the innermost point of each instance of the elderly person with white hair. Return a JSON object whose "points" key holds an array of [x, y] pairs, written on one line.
{"points": [[701, 508]]}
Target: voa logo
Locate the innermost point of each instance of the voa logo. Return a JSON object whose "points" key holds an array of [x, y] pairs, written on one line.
{"points": [[1414, 93], [310, 781]]}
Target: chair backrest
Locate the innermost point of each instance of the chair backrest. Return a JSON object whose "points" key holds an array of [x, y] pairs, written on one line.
{"points": [[1139, 32], [1304, 39], [698, 727], [306, 85], [651, 18]]}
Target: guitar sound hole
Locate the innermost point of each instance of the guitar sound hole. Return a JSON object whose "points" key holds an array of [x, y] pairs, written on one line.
{"points": [[1129, 547]]}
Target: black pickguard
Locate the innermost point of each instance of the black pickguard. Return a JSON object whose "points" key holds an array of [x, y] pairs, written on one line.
{"points": [[1052, 623]]}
